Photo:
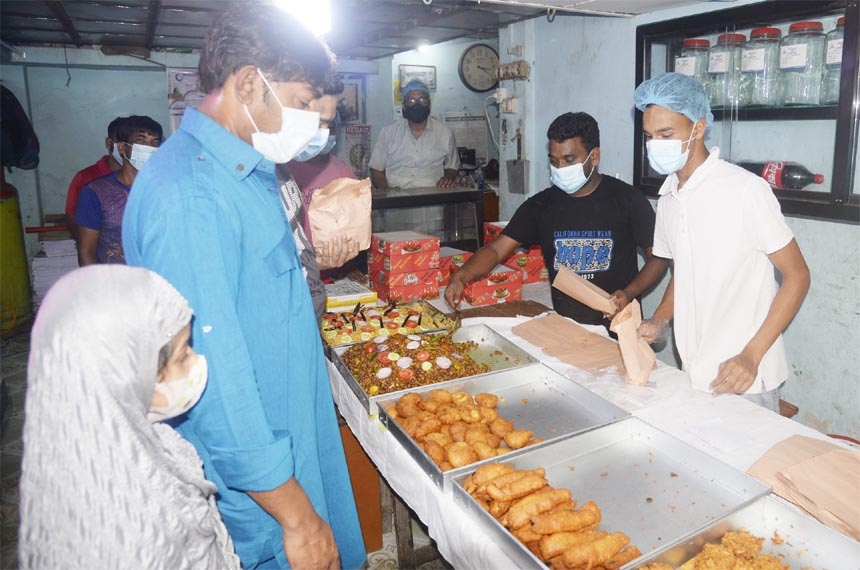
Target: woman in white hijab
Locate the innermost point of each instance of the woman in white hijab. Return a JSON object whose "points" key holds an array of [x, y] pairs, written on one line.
{"points": [[103, 483]]}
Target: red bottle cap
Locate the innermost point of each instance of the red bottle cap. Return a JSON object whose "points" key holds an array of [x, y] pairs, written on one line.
{"points": [[696, 42], [765, 33], [840, 23], [806, 27], [818, 178], [728, 38]]}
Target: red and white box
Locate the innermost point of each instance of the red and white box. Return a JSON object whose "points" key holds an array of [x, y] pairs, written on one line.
{"points": [[397, 252], [492, 230], [530, 263], [406, 285], [451, 259], [501, 285]]}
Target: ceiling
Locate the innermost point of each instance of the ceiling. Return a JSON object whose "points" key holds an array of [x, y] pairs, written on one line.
{"points": [[361, 29]]}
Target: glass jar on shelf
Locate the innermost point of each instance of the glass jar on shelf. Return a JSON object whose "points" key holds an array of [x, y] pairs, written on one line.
{"points": [[833, 63], [724, 70], [801, 59], [693, 59], [760, 69]]}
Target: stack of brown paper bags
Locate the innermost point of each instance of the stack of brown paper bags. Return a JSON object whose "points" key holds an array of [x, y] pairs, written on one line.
{"points": [[571, 343], [818, 476]]}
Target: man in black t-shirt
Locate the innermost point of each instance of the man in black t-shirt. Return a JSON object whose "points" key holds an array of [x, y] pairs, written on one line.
{"points": [[590, 223]]}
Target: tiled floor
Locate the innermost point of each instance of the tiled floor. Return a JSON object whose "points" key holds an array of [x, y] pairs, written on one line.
{"points": [[13, 369]]}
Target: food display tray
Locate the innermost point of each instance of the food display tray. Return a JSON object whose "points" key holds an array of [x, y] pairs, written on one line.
{"points": [[494, 350], [790, 535], [648, 484], [534, 397]]}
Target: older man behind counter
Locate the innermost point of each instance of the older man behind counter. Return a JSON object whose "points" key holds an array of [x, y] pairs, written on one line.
{"points": [[416, 151]]}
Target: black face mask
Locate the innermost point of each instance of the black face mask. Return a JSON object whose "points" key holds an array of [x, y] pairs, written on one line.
{"points": [[416, 113]]}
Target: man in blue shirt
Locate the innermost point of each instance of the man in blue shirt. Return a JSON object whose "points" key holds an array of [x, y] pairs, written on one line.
{"points": [[208, 215]]}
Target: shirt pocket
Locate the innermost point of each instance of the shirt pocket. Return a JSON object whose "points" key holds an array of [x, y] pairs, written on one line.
{"points": [[283, 258]]}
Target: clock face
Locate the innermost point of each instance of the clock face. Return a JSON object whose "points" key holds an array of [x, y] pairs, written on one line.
{"points": [[478, 66]]}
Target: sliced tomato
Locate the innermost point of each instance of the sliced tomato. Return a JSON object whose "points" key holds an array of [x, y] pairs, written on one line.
{"points": [[405, 374], [369, 348], [392, 325], [367, 328], [393, 314], [383, 357], [422, 355]]}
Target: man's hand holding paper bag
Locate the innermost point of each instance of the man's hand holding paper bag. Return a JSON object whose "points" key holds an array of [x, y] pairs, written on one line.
{"points": [[339, 216]]}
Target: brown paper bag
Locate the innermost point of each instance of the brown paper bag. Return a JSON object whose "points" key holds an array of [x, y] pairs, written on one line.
{"points": [[571, 283], [638, 356], [342, 208]]}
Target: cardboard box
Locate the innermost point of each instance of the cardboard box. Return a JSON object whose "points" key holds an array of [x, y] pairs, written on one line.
{"points": [[450, 259], [343, 295], [403, 251], [530, 263], [492, 230], [406, 286], [501, 285]]}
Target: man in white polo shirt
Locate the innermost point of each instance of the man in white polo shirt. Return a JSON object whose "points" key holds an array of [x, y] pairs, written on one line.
{"points": [[723, 230]]}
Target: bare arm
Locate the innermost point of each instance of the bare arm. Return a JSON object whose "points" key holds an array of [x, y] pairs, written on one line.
{"points": [[479, 265], [72, 226], [88, 243], [308, 539], [656, 329], [377, 177], [738, 373]]}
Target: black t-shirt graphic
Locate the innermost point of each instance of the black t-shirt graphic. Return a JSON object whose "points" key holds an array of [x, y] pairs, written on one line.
{"points": [[597, 236]]}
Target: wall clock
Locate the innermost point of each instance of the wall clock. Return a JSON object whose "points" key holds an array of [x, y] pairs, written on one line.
{"points": [[478, 66]]}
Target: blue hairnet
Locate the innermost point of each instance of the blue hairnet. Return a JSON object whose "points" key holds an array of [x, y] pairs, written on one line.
{"points": [[677, 92], [414, 85]]}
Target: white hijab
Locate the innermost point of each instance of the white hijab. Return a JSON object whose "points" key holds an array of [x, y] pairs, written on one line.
{"points": [[101, 486]]}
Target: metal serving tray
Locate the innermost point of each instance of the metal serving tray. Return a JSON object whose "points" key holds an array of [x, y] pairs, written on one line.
{"points": [[534, 397], [805, 542], [493, 349], [649, 485]]}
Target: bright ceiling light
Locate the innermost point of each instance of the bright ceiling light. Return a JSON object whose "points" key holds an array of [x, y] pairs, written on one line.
{"points": [[423, 48], [315, 15]]}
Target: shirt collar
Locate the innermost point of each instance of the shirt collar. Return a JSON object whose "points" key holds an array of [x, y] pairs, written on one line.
{"points": [[236, 155], [670, 185]]}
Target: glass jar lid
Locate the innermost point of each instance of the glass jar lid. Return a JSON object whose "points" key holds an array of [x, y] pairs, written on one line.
{"points": [[696, 43], [732, 39], [765, 33], [806, 27], [840, 23]]}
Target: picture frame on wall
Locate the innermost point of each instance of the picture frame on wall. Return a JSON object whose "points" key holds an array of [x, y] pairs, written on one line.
{"points": [[423, 73], [350, 106]]}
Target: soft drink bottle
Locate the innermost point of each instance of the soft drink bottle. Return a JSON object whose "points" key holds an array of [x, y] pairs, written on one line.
{"points": [[783, 175]]}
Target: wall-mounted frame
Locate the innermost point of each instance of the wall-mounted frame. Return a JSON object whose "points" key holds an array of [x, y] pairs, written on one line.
{"points": [[423, 73], [350, 106]]}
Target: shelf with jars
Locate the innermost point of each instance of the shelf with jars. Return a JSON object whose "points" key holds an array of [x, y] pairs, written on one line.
{"points": [[782, 79]]}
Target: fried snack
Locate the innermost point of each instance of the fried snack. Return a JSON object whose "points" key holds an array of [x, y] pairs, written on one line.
{"points": [[409, 425], [435, 451], [565, 506], [501, 427], [427, 427], [493, 439], [488, 414], [460, 453], [499, 508], [656, 566], [711, 556], [552, 545], [742, 544], [476, 433], [526, 508], [518, 488], [429, 405], [567, 521], [525, 534], [488, 472], [597, 552], [406, 409], [448, 413], [462, 398], [440, 396], [623, 557], [487, 400], [469, 413], [483, 450], [510, 477], [439, 437], [517, 438], [458, 430]]}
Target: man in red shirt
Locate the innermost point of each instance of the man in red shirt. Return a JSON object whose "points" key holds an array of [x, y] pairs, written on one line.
{"points": [[105, 165]]}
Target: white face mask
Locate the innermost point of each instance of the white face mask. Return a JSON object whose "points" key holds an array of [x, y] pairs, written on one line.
{"points": [[140, 154], [332, 140], [114, 152], [665, 156], [570, 178], [297, 129], [315, 147], [180, 394]]}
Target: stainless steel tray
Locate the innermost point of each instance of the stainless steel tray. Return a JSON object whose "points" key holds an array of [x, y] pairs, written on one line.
{"points": [[806, 543], [534, 397], [493, 349], [648, 485]]}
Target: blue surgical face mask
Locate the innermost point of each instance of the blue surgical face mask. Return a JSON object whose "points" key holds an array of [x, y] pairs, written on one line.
{"points": [[314, 147], [140, 154], [665, 156], [332, 140], [570, 178]]}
